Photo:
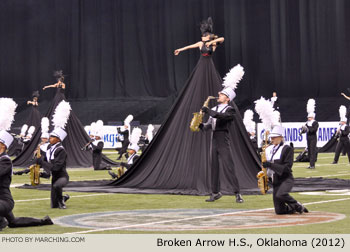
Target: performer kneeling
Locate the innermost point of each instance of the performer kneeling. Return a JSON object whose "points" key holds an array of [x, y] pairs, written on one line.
{"points": [[219, 122], [133, 148], [279, 169]]}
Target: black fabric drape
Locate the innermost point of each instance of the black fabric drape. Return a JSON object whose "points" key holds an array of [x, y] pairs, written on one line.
{"points": [[76, 138], [178, 160], [112, 48]]}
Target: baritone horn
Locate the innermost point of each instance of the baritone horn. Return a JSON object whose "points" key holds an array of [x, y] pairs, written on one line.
{"points": [[35, 170], [198, 116]]}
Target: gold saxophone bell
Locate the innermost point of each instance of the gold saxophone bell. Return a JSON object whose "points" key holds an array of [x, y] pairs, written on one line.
{"points": [[198, 116], [262, 175], [121, 171], [35, 170]]}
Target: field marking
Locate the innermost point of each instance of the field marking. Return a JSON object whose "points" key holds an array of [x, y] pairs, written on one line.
{"points": [[74, 196], [334, 175], [194, 218]]}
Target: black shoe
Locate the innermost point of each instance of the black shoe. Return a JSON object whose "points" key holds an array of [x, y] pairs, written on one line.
{"points": [[334, 162], [113, 175], [214, 196], [311, 167], [46, 221], [239, 198], [3, 223], [61, 205], [66, 197], [108, 168], [301, 209]]}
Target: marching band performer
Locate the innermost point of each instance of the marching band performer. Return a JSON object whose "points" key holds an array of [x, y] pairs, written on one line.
{"points": [[133, 148], [279, 164], [220, 118], [310, 128], [125, 132], [55, 160], [343, 134], [60, 81]]}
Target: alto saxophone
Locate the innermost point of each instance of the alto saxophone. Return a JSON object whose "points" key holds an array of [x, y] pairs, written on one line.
{"points": [[35, 170], [262, 175], [198, 116]]}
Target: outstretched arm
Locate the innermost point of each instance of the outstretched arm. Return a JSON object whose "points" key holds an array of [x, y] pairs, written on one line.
{"points": [[196, 45], [345, 96], [50, 86]]}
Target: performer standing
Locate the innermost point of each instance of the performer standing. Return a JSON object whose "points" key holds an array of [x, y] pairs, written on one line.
{"points": [[275, 101], [55, 160], [219, 122], [279, 168], [60, 81], [133, 148], [343, 134], [310, 128], [125, 132]]}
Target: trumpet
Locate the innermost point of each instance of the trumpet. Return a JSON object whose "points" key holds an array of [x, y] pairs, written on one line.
{"points": [[198, 116], [87, 144], [303, 130]]}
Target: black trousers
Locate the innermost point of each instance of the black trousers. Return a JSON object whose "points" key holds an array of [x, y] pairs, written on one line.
{"points": [[311, 150], [342, 145], [22, 221], [6, 206], [123, 149], [97, 162], [283, 202], [56, 190], [221, 154]]}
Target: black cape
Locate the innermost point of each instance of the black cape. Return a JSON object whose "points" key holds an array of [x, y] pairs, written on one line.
{"points": [[178, 160], [75, 140]]}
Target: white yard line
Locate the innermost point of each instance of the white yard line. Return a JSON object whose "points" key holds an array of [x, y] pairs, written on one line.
{"points": [[75, 196], [193, 218]]}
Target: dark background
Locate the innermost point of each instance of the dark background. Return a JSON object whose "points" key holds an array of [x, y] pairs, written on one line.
{"points": [[118, 54]]}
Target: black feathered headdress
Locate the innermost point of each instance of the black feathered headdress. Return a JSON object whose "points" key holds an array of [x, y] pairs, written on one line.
{"points": [[35, 94], [207, 26], [58, 74]]}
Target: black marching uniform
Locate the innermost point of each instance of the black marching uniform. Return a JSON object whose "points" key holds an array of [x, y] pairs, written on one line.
{"points": [[343, 142], [7, 203], [97, 147], [219, 122], [125, 143], [279, 165], [311, 138], [131, 160], [55, 163]]}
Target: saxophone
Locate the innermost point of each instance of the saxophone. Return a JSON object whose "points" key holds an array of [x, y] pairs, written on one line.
{"points": [[262, 175], [198, 116], [35, 170]]}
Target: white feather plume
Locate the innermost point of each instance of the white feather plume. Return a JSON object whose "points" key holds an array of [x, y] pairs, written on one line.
{"points": [[278, 115], [266, 113], [99, 127], [233, 77], [24, 129], [248, 120], [61, 115], [342, 112], [7, 113], [93, 128], [45, 124], [135, 136], [31, 130], [128, 119], [87, 129], [150, 132], [310, 106]]}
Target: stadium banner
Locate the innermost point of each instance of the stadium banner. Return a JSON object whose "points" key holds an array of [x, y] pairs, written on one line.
{"points": [[293, 129], [110, 136]]}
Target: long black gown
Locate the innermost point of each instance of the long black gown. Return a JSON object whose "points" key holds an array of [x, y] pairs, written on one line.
{"points": [[76, 138], [178, 160]]}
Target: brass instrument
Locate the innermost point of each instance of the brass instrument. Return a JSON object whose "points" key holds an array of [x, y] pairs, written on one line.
{"points": [[120, 171], [87, 144], [262, 175], [198, 116], [35, 170]]}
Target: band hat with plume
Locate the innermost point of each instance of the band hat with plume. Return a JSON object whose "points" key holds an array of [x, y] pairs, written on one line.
{"points": [[93, 129], [30, 131], [128, 120], [45, 124], [24, 130], [277, 131], [342, 113], [266, 113], [60, 119], [134, 139], [310, 108], [150, 132], [99, 128], [248, 121], [231, 80], [7, 115]]}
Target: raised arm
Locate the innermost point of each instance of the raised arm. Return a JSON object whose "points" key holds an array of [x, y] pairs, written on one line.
{"points": [[196, 45], [50, 86], [346, 97]]}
